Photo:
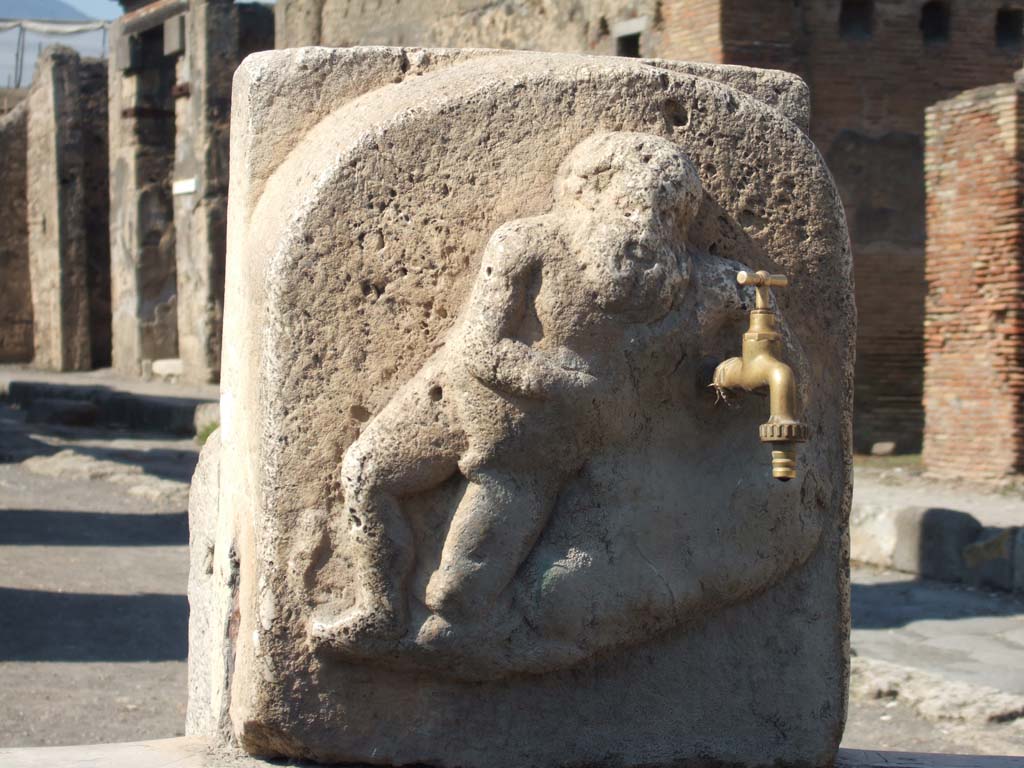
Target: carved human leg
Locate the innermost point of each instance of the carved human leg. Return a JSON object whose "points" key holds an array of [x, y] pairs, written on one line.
{"points": [[403, 451], [494, 528]]}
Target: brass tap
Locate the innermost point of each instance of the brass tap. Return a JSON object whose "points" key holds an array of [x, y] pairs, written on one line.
{"points": [[759, 367]]}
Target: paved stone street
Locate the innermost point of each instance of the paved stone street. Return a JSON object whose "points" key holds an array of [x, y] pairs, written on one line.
{"points": [[93, 569]]}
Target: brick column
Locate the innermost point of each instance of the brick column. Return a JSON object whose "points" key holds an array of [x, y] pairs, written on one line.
{"points": [[974, 314]]}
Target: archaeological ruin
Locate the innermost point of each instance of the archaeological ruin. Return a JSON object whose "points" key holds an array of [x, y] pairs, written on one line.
{"points": [[872, 69], [170, 69], [15, 286], [68, 197], [974, 324]]}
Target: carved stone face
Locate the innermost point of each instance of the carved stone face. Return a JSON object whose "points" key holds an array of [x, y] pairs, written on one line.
{"points": [[630, 198]]}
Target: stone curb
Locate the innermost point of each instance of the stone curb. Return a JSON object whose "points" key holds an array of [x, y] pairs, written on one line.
{"points": [[937, 543], [934, 697], [978, 717], [112, 407]]}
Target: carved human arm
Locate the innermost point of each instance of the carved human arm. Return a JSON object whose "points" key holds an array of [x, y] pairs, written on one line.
{"points": [[496, 310]]}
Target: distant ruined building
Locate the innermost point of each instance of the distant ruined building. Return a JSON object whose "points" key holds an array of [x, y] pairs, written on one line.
{"points": [[872, 67]]}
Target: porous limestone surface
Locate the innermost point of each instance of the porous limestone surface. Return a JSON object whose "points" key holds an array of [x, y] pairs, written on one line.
{"points": [[471, 472]]}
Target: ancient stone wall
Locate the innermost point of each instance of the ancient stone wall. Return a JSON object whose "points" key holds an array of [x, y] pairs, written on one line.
{"points": [[542, 25], [974, 324], [93, 96], [10, 98], [142, 246], [219, 34], [15, 293], [67, 184]]}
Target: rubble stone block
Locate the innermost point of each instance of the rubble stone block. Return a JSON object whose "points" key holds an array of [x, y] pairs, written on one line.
{"points": [[15, 286], [471, 473], [67, 193], [931, 542]]}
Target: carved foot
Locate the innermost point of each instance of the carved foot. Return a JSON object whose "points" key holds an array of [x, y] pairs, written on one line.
{"points": [[362, 630]]}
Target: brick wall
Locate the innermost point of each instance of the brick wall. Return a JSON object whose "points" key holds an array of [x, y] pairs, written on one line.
{"points": [[868, 96], [974, 326], [692, 31]]}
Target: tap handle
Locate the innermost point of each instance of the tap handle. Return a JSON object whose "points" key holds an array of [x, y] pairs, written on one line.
{"points": [[762, 281]]}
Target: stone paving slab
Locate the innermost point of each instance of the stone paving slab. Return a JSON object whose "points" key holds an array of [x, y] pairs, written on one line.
{"points": [[959, 633]]}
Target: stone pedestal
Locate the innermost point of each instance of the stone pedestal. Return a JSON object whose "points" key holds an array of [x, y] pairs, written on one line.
{"points": [[475, 503], [67, 212]]}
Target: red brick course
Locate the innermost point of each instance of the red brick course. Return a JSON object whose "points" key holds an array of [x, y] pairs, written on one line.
{"points": [[974, 325], [868, 96]]}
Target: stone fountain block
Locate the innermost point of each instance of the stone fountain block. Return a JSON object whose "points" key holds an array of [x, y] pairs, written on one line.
{"points": [[476, 503]]}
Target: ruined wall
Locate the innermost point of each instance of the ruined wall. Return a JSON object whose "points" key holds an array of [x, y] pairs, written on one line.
{"points": [[67, 181], [142, 247], [15, 291], [974, 326], [543, 25], [868, 101], [219, 35], [871, 74]]}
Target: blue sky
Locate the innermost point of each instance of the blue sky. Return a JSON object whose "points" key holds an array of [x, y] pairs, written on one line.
{"points": [[97, 9], [101, 9]]}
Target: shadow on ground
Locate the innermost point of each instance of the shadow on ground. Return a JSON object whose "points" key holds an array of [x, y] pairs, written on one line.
{"points": [[44, 527], [889, 605], [55, 626], [19, 440]]}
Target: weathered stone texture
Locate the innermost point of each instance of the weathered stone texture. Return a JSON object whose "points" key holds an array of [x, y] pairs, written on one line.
{"points": [[142, 242], [67, 184], [15, 288], [212, 597], [666, 611], [10, 98], [974, 326], [539, 25]]}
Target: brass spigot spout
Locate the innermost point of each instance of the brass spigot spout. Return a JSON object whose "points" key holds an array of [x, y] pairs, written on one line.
{"points": [[760, 366]]}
